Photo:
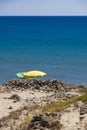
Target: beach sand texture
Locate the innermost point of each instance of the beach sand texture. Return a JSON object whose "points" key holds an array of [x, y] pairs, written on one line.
{"points": [[19, 103]]}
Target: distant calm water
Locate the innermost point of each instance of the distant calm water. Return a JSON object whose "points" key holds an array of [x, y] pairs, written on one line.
{"points": [[55, 45]]}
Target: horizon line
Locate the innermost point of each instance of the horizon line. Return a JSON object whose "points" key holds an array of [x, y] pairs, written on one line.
{"points": [[43, 15]]}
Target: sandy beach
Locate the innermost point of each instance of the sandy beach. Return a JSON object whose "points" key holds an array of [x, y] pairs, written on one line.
{"points": [[33, 105]]}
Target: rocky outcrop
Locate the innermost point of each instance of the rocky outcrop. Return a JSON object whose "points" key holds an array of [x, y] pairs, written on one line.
{"points": [[45, 122], [50, 85]]}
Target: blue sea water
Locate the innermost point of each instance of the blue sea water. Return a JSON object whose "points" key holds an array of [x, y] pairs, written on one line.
{"points": [[55, 45]]}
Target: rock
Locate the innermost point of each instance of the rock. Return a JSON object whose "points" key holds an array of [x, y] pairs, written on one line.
{"points": [[39, 122], [83, 109], [10, 107], [48, 85], [15, 97]]}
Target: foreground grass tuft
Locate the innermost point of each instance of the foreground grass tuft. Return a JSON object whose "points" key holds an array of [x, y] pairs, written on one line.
{"points": [[55, 123], [83, 98], [60, 106], [27, 120]]}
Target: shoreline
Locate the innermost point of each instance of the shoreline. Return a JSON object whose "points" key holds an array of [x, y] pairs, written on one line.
{"points": [[26, 102]]}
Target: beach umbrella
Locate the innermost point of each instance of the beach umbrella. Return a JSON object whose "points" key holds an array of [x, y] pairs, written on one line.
{"points": [[31, 74], [34, 74]]}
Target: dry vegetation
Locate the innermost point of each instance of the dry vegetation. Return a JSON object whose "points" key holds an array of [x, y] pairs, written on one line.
{"points": [[60, 106], [53, 108]]}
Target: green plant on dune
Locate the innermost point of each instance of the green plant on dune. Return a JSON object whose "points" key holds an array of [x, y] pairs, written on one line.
{"points": [[27, 120], [60, 106], [83, 98], [55, 123]]}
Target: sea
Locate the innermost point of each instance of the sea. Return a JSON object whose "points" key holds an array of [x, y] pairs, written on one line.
{"points": [[56, 45]]}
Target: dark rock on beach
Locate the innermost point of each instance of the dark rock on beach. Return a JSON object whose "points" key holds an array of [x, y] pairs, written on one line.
{"points": [[49, 85], [83, 109], [43, 122], [15, 97]]}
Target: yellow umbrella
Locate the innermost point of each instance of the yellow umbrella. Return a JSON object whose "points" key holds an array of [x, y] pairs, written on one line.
{"points": [[34, 74]]}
